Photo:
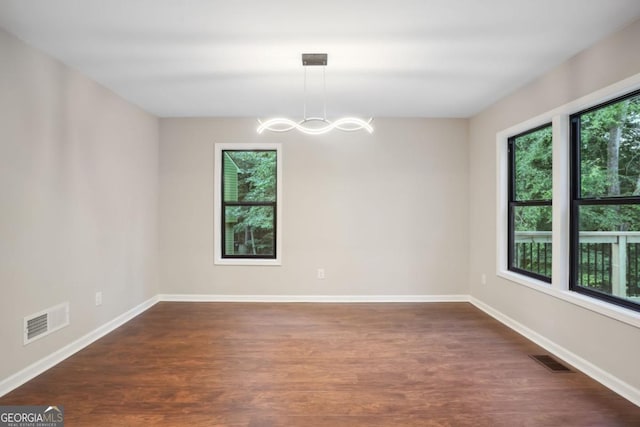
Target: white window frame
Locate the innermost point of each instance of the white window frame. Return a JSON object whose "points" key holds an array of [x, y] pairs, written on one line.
{"points": [[559, 286], [217, 200]]}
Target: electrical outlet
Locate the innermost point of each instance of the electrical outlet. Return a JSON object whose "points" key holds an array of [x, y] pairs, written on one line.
{"points": [[98, 298], [321, 273]]}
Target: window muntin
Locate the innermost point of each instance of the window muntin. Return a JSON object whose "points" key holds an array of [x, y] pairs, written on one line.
{"points": [[249, 204], [529, 205], [605, 209]]}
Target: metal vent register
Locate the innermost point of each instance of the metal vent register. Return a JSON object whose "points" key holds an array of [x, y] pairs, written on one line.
{"points": [[37, 326], [550, 363], [45, 322]]}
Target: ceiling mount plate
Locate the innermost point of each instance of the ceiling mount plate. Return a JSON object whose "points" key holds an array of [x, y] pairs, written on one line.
{"points": [[314, 59]]}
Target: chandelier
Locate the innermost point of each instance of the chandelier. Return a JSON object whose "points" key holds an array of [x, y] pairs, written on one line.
{"points": [[315, 125]]}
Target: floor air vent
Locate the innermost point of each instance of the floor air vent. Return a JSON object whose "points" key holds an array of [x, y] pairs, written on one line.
{"points": [[550, 363], [45, 322]]}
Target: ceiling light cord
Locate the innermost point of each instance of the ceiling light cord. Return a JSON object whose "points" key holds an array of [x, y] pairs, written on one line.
{"points": [[304, 99], [324, 96], [324, 91]]}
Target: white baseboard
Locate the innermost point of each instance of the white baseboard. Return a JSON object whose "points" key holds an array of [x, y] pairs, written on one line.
{"points": [[312, 298], [53, 359], [614, 383]]}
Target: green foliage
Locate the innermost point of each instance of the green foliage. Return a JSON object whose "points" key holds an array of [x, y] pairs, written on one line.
{"points": [[533, 171], [257, 176], [610, 164], [533, 164], [254, 228], [609, 167]]}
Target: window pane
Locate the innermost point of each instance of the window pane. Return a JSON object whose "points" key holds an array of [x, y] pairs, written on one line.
{"points": [[249, 176], [532, 239], [609, 250], [610, 150], [533, 159], [249, 230]]}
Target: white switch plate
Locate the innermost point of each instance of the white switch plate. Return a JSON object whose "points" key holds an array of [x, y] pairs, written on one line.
{"points": [[321, 273], [483, 279], [98, 298]]}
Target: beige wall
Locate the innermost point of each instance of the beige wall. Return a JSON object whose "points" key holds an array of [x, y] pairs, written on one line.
{"points": [[383, 214], [602, 341], [78, 201]]}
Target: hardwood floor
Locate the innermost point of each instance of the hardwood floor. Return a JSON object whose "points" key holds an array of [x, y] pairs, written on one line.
{"points": [[263, 364]]}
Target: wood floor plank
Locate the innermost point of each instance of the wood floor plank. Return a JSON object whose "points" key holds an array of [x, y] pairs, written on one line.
{"points": [[263, 364]]}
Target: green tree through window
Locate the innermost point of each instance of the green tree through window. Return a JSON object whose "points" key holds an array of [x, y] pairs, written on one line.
{"points": [[530, 192], [606, 201], [249, 195]]}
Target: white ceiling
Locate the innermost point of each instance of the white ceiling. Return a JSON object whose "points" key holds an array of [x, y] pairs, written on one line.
{"points": [[400, 58]]}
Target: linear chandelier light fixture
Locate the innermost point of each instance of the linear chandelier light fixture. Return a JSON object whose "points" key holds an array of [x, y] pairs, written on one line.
{"points": [[315, 125]]}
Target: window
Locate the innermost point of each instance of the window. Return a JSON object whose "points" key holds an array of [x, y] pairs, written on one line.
{"points": [[593, 193], [247, 204], [529, 204], [605, 209]]}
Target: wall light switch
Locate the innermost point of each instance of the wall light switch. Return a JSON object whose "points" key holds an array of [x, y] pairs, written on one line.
{"points": [[98, 298], [321, 273]]}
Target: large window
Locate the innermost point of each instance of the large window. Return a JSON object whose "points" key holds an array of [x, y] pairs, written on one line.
{"points": [[605, 210], [529, 207], [247, 201]]}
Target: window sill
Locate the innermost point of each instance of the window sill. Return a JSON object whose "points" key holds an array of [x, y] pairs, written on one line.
{"points": [[248, 262], [621, 314], [521, 279]]}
